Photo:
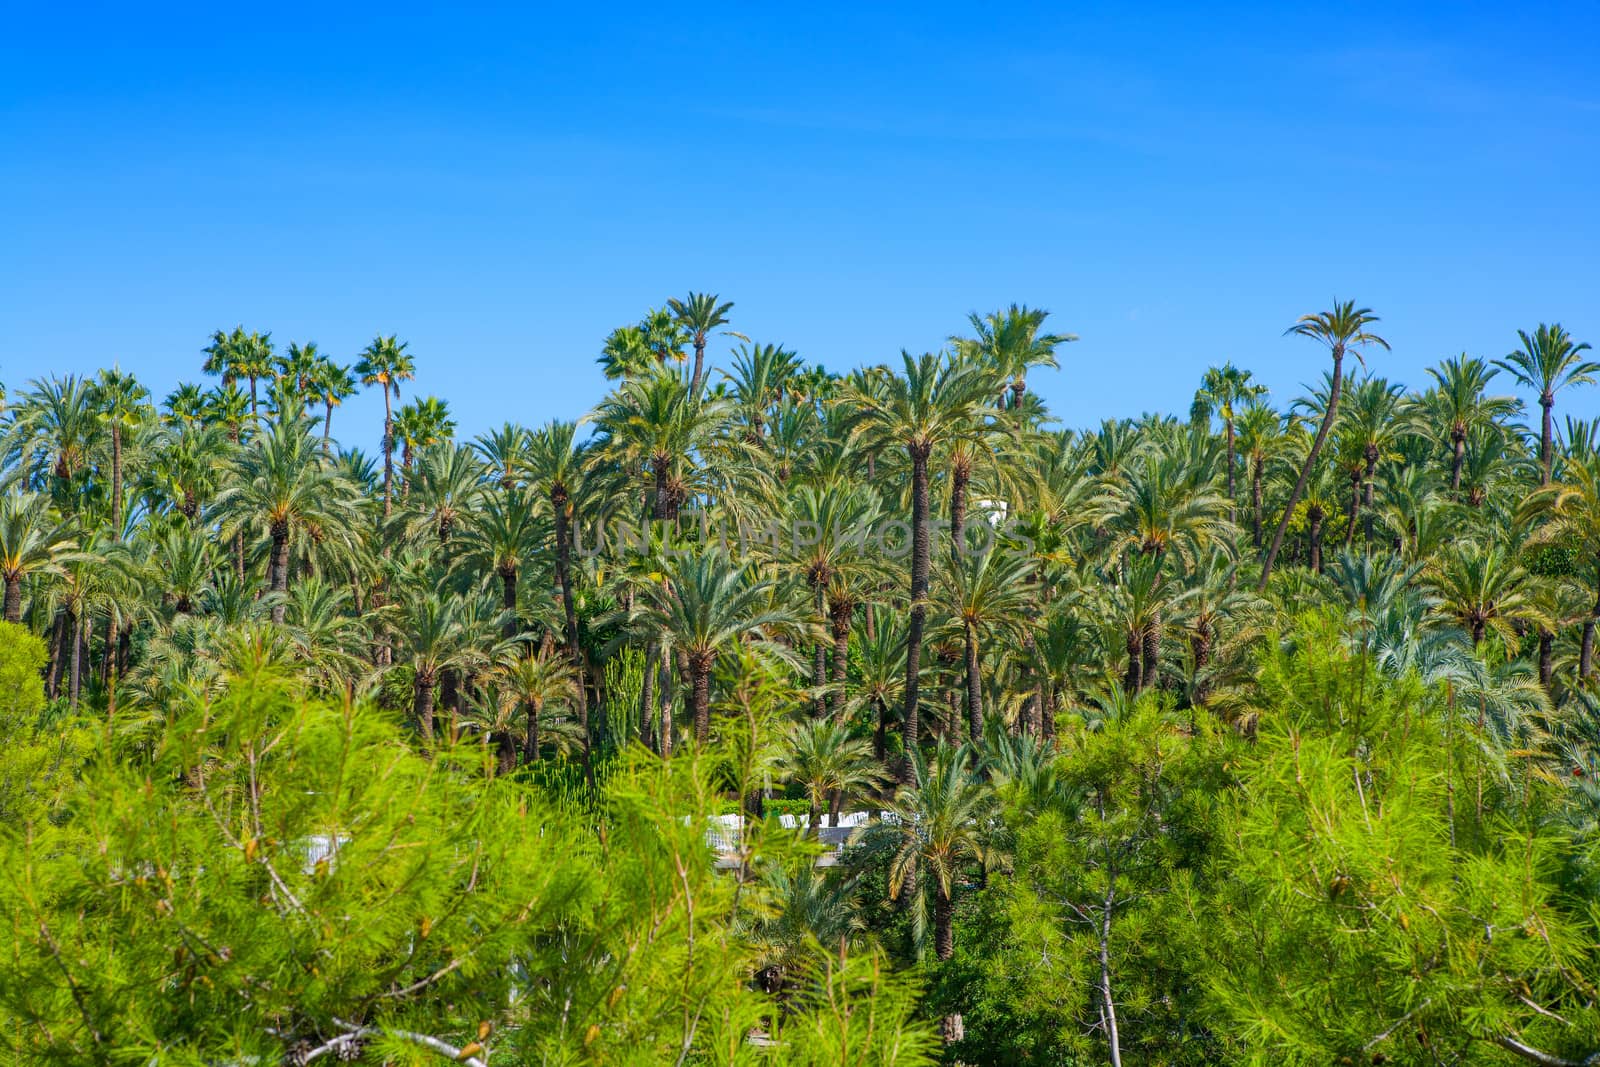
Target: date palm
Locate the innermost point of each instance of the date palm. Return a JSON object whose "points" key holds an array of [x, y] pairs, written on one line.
{"points": [[1549, 361], [1570, 510], [33, 541], [1368, 432], [501, 533], [421, 424], [759, 379], [699, 314], [55, 428], [1342, 330], [939, 831], [933, 401], [703, 603], [535, 680], [1260, 433], [505, 451], [282, 483], [553, 463], [656, 424], [1157, 510], [330, 384], [386, 363], [824, 760], [986, 597], [1484, 590], [1010, 343], [1224, 391], [121, 401], [1459, 402]]}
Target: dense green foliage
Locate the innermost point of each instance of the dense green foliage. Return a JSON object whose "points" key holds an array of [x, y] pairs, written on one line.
{"points": [[778, 716]]}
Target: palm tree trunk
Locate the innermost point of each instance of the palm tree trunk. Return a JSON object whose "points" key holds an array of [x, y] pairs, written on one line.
{"points": [[559, 499], [660, 506], [944, 934], [919, 596], [974, 687], [58, 655], [819, 656], [388, 450], [13, 611], [1368, 479], [1133, 677], [1548, 403], [1547, 666], [280, 567], [880, 732], [647, 700], [1306, 468], [1458, 437], [1152, 653], [700, 690], [699, 363], [1231, 510], [422, 704], [1314, 537], [530, 753], [116, 480], [75, 678], [960, 475], [508, 601], [1355, 510], [840, 615], [1255, 502], [327, 426]]}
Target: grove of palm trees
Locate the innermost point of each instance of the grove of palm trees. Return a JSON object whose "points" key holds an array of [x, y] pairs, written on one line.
{"points": [[764, 714]]}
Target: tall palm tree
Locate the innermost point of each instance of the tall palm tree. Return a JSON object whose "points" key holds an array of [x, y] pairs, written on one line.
{"points": [[699, 313], [121, 401], [655, 424], [33, 540], [386, 363], [1549, 361], [1459, 402], [1260, 430], [1343, 329], [1009, 342], [938, 832], [421, 424], [501, 533], [282, 484], [331, 384], [55, 428], [438, 633], [933, 401], [505, 451], [1571, 510], [986, 596], [703, 602], [553, 462], [1223, 391]]}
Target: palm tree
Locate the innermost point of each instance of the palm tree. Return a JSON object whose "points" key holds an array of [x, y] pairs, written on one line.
{"points": [[505, 451], [1260, 430], [1482, 589], [986, 596], [939, 829], [1367, 433], [1224, 390], [282, 484], [331, 384], [1549, 361], [554, 465], [386, 363], [438, 634], [919, 411], [760, 377], [501, 533], [655, 423], [1342, 329], [33, 540], [829, 765], [421, 424], [56, 427], [1459, 402], [1009, 343], [699, 314], [121, 401], [533, 681], [704, 602], [1571, 508]]}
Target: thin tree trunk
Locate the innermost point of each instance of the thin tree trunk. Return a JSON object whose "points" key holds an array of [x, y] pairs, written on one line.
{"points": [[880, 733], [819, 656], [1232, 511], [58, 655], [116, 480], [960, 475], [840, 614], [1314, 536], [699, 363], [75, 679], [1152, 653], [1107, 1004], [1355, 510], [944, 934], [508, 601], [1547, 665], [1586, 647], [1368, 479], [1458, 438], [647, 700], [388, 451], [559, 499], [1306, 468], [1133, 677], [660, 505], [974, 687], [1255, 503], [1546, 455], [910, 727], [327, 427]]}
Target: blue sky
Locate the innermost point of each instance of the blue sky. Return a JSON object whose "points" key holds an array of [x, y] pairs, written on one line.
{"points": [[502, 186]]}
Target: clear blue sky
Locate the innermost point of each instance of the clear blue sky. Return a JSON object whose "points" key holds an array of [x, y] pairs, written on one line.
{"points": [[502, 187]]}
